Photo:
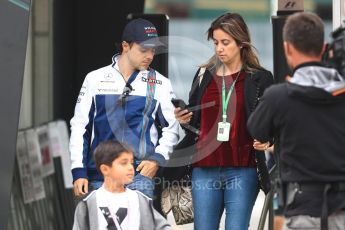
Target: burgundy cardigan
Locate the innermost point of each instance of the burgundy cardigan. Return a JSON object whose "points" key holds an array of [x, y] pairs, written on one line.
{"points": [[238, 151]]}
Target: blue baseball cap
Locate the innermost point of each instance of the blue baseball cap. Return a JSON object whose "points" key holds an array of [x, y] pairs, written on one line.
{"points": [[142, 32]]}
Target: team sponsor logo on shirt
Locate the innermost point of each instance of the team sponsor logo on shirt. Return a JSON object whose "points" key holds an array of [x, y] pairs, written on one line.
{"points": [[108, 90], [152, 81], [108, 76]]}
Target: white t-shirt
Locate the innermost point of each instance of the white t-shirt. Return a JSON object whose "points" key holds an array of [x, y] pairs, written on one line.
{"points": [[119, 209]]}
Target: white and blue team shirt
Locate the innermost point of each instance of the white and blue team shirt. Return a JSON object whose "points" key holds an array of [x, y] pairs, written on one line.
{"points": [[99, 116]]}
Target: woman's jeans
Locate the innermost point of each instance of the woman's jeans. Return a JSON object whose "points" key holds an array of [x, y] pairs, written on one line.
{"points": [[216, 188]]}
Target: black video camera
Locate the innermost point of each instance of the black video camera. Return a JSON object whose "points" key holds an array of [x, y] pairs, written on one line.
{"points": [[334, 55]]}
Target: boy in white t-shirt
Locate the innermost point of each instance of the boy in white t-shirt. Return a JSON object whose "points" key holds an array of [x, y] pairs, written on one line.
{"points": [[113, 206]]}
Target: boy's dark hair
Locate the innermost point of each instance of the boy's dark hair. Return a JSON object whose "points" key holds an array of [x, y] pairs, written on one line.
{"points": [[305, 31], [107, 151]]}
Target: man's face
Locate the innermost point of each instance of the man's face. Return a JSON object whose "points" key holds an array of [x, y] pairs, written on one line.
{"points": [[139, 57], [121, 170]]}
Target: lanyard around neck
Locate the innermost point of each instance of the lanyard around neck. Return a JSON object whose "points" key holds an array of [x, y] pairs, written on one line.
{"points": [[226, 99]]}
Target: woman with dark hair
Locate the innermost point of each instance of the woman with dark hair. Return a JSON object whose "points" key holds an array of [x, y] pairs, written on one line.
{"points": [[227, 89]]}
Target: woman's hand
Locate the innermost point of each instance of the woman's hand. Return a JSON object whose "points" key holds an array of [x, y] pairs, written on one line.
{"points": [[262, 146], [183, 116]]}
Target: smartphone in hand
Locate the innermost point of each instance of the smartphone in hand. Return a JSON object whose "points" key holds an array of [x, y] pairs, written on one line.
{"points": [[179, 103]]}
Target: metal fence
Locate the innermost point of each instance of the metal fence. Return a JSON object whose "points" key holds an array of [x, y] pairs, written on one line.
{"points": [[54, 212]]}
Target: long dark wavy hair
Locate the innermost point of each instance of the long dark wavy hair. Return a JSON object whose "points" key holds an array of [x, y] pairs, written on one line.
{"points": [[234, 25]]}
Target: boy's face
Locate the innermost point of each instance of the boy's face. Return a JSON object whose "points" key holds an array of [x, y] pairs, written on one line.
{"points": [[121, 170]]}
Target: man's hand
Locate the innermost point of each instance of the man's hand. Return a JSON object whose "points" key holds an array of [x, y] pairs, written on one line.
{"points": [[148, 168], [81, 187], [182, 116]]}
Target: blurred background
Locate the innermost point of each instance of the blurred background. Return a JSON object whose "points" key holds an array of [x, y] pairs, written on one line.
{"points": [[190, 19]]}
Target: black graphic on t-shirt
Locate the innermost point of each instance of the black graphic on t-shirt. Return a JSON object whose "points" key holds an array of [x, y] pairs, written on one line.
{"points": [[106, 213], [121, 214]]}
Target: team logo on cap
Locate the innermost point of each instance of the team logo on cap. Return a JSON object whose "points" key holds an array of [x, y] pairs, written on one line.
{"points": [[151, 31]]}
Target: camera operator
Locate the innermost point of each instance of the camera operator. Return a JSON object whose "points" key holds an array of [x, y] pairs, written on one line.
{"points": [[307, 122]]}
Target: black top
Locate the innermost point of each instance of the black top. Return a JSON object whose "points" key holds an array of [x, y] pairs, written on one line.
{"points": [[308, 125]]}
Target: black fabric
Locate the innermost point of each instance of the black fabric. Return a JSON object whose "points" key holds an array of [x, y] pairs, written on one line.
{"points": [[310, 200], [263, 174], [311, 135], [178, 168], [308, 126], [256, 85], [324, 208]]}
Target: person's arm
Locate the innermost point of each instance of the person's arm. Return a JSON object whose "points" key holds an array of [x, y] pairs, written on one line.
{"points": [[261, 122], [81, 132], [185, 116], [266, 81]]}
